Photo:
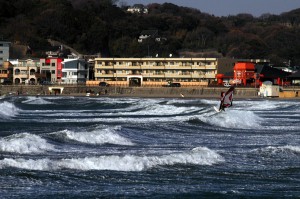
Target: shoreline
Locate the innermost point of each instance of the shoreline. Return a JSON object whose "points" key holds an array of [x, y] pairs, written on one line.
{"points": [[140, 92], [204, 97]]}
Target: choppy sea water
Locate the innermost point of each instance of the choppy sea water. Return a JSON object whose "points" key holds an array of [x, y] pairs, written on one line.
{"points": [[82, 147]]}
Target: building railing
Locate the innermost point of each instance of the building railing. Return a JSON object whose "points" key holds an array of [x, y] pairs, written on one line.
{"points": [[4, 75]]}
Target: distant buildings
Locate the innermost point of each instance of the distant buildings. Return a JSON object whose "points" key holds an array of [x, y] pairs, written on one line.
{"points": [[146, 34], [138, 9], [136, 71], [50, 70], [150, 34], [150, 71], [4, 52]]}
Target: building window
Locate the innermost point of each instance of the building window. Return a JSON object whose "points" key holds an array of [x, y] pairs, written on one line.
{"points": [[1, 52], [53, 64], [53, 72]]}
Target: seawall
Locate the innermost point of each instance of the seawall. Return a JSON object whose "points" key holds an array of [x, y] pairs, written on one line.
{"points": [[191, 92]]}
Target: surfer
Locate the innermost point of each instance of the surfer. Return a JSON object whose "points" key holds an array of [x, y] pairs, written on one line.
{"points": [[226, 99]]}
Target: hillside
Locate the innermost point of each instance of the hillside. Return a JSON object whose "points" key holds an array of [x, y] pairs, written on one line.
{"points": [[99, 26]]}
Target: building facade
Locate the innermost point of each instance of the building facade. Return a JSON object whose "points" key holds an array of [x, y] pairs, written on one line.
{"points": [[6, 73], [74, 71], [51, 68], [24, 71], [4, 51], [184, 70]]}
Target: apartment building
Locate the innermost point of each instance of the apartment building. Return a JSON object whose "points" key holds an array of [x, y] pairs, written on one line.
{"points": [[4, 51], [188, 71]]}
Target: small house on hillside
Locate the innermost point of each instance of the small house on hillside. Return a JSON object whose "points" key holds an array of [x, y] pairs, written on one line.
{"points": [[138, 8], [145, 34]]}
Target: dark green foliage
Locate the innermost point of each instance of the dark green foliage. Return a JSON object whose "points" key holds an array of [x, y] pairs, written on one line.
{"points": [[99, 26]]}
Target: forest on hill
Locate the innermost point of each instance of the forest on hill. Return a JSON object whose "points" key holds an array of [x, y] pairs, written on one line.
{"points": [[103, 26]]}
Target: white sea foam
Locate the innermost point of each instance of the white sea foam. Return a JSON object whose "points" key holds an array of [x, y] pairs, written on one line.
{"points": [[280, 149], [8, 109], [99, 136], [36, 100], [233, 119], [197, 156], [25, 143]]}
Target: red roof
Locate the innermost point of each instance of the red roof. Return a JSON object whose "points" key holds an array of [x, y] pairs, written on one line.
{"points": [[244, 66]]}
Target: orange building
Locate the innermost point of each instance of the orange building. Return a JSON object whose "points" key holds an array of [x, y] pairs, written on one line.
{"points": [[248, 73], [244, 72]]}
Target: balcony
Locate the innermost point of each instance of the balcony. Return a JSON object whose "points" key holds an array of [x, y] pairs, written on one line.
{"points": [[211, 67], [210, 75], [155, 75], [21, 75], [103, 67], [152, 67], [4, 75], [124, 66], [176, 75], [104, 75]]}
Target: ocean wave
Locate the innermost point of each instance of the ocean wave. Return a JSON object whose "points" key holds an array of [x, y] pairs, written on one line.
{"points": [[99, 136], [279, 149], [8, 109], [36, 101], [232, 119], [25, 143], [197, 156]]}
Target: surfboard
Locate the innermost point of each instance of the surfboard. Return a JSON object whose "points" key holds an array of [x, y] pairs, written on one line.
{"points": [[216, 109]]}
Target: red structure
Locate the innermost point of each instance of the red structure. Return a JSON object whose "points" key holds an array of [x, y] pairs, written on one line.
{"points": [[248, 73], [244, 71], [220, 78]]}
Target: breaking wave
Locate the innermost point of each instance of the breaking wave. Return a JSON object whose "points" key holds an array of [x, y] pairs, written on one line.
{"points": [[233, 119], [8, 110], [25, 143], [36, 100], [197, 156], [99, 136]]}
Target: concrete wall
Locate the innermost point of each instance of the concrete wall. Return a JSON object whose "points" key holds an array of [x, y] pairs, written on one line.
{"points": [[127, 91]]}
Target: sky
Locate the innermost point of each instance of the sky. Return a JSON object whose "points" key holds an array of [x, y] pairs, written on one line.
{"points": [[230, 7]]}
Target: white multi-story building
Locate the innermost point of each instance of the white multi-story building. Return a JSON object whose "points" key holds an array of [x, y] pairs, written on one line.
{"points": [[74, 71]]}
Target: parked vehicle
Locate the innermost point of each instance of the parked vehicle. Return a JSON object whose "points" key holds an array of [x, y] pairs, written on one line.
{"points": [[172, 85], [46, 83], [104, 84], [7, 82]]}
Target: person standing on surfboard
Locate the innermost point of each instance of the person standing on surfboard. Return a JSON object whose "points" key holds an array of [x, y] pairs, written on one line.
{"points": [[226, 99]]}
